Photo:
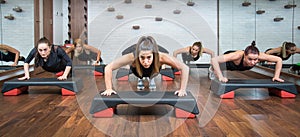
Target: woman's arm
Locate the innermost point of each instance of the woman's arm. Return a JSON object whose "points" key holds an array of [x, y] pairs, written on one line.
{"points": [[26, 72], [179, 51], [210, 52], [175, 63], [297, 50], [215, 61], [122, 61], [278, 67], [26, 64], [66, 73], [95, 50], [273, 51], [63, 55]]}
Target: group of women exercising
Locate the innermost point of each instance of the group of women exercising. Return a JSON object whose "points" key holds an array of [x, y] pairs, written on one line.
{"points": [[147, 60]]}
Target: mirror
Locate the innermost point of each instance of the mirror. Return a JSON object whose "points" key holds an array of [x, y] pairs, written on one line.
{"points": [[15, 37], [270, 23]]}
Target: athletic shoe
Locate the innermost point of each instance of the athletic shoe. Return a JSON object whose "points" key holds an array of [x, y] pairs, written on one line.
{"points": [[140, 85], [211, 73], [152, 85]]}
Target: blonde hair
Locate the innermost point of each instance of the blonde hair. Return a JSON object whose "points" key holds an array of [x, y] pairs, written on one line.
{"points": [[147, 43], [283, 50], [286, 46]]}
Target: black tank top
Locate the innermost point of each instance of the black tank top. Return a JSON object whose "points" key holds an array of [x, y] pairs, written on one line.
{"points": [[240, 67], [146, 71], [87, 57], [8, 56]]}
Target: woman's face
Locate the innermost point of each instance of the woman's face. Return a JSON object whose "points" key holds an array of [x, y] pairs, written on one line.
{"points": [[195, 50], [78, 48], [146, 58], [44, 50], [292, 50], [250, 59]]}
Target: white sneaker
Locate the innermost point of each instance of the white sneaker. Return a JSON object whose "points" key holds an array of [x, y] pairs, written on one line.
{"points": [[152, 85], [140, 85], [211, 73]]}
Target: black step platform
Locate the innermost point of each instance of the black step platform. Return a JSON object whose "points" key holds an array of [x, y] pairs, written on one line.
{"points": [[198, 65], [225, 90], [123, 73], [102, 104], [177, 72], [15, 86], [273, 65], [98, 69]]}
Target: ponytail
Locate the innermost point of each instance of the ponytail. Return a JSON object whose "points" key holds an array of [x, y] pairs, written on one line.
{"points": [[252, 49], [253, 43], [283, 49]]}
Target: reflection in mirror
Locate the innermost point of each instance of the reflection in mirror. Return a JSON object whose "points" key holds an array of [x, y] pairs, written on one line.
{"points": [[279, 36], [243, 21], [16, 36]]}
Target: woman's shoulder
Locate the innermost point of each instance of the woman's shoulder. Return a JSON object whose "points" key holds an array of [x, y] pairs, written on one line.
{"points": [[274, 50], [277, 48], [164, 56], [130, 55], [162, 53], [235, 55], [188, 47]]}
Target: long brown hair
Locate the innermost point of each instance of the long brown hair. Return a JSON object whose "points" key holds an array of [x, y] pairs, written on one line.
{"points": [[37, 57], [147, 43]]}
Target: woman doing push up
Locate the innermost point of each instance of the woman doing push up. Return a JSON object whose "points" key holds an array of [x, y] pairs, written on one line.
{"points": [[244, 60], [146, 61]]}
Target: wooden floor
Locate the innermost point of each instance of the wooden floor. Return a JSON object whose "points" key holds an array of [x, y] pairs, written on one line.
{"points": [[44, 112]]}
